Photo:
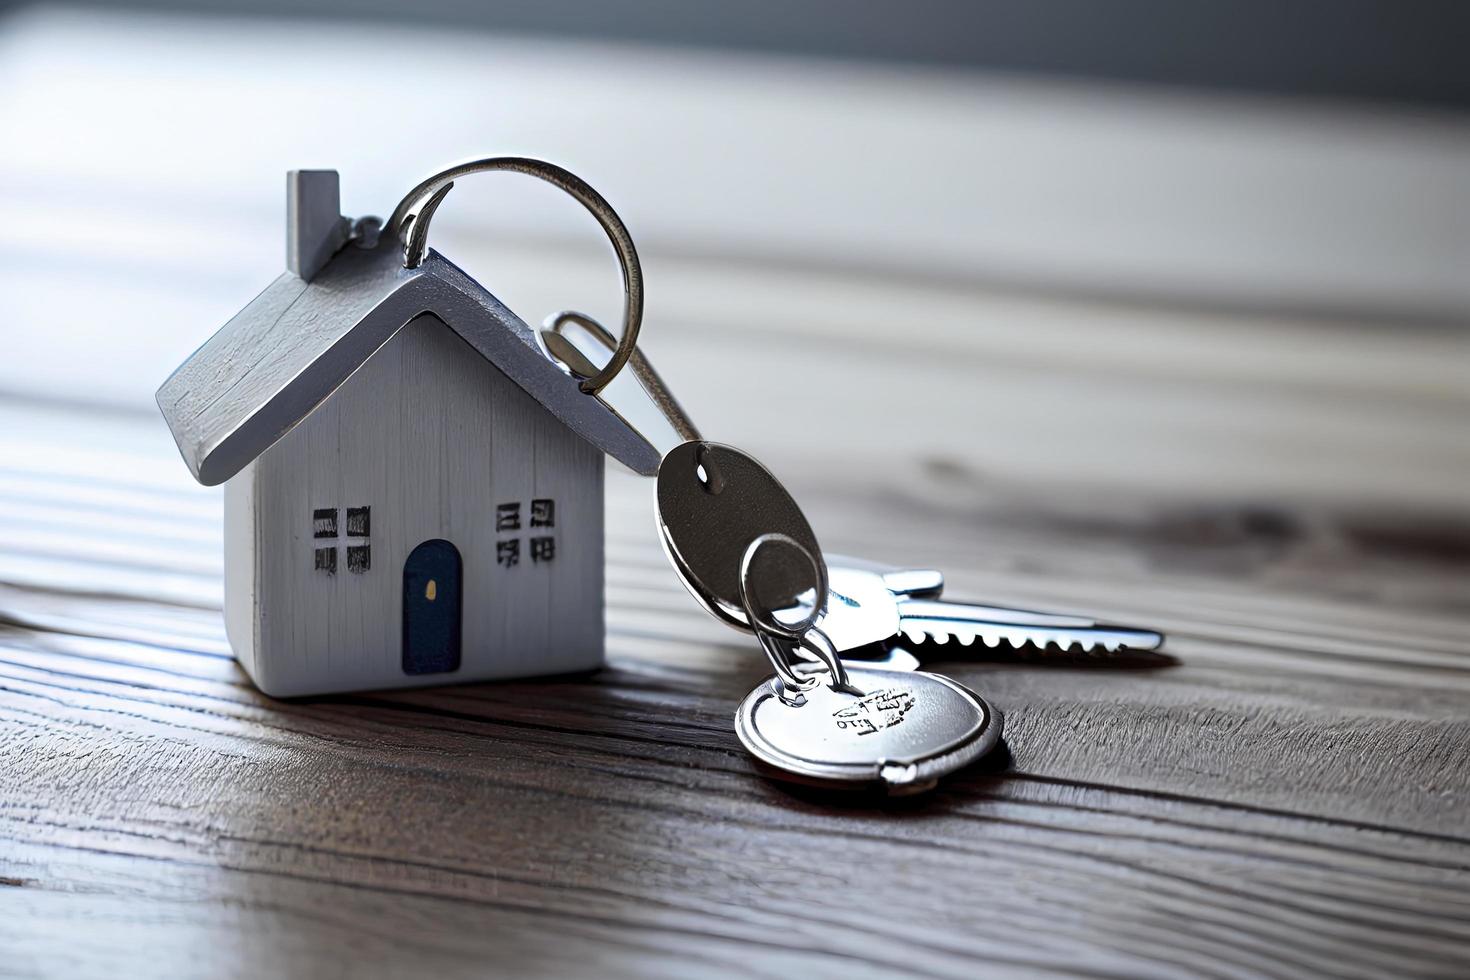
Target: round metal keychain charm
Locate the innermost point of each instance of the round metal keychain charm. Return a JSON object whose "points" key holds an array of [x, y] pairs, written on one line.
{"points": [[896, 731], [743, 548]]}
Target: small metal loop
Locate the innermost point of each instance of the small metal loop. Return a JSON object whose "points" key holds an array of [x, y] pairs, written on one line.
{"points": [[819, 643], [776, 638], [658, 392], [781, 660], [779, 652], [766, 619], [418, 227], [365, 231], [411, 218]]}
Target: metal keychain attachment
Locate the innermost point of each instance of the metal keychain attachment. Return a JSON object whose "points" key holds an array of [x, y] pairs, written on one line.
{"points": [[410, 223], [780, 638], [575, 361]]}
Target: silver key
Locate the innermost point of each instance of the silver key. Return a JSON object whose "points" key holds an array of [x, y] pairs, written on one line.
{"points": [[869, 604]]}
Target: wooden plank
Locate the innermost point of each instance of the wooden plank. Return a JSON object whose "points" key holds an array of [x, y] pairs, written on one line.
{"points": [[1253, 438], [1287, 796], [659, 827]]}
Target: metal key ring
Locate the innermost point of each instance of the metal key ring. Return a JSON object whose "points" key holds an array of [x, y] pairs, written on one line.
{"points": [[653, 384], [780, 659], [818, 642], [410, 222], [789, 631], [774, 635], [815, 640]]}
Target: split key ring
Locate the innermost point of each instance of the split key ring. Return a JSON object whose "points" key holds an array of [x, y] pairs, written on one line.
{"points": [[780, 639], [410, 222]]}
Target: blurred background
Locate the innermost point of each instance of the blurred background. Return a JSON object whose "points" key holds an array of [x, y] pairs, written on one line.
{"points": [[1215, 248]]}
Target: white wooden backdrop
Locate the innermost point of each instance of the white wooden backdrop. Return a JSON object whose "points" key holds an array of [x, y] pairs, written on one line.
{"points": [[1101, 284]]}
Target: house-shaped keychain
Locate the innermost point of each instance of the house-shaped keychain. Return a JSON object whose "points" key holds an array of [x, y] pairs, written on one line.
{"points": [[413, 487]]}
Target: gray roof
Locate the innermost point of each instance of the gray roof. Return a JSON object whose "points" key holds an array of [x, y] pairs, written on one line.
{"points": [[286, 352]]}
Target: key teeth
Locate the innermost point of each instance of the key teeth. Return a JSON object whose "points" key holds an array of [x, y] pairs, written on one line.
{"points": [[1028, 642]]}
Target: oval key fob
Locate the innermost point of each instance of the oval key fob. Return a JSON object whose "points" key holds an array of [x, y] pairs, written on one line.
{"points": [[897, 731], [713, 501]]}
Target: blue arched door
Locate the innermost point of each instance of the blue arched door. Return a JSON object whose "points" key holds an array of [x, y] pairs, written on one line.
{"points": [[432, 608]]}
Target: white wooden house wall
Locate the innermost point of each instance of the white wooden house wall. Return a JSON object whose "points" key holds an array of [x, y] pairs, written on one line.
{"points": [[432, 439]]}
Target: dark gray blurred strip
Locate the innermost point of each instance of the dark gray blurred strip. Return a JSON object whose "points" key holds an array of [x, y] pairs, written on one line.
{"points": [[1377, 50]]}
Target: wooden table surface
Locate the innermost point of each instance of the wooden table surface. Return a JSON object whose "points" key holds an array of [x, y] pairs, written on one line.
{"points": [[1288, 794], [1178, 362]]}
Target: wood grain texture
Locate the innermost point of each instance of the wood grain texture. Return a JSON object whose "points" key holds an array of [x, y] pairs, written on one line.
{"points": [[1180, 362], [1288, 798]]}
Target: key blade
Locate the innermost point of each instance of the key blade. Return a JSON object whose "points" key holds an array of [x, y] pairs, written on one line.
{"points": [[1091, 639], [969, 612]]}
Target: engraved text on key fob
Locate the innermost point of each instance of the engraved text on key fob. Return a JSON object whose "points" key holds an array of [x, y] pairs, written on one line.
{"points": [[894, 730]]}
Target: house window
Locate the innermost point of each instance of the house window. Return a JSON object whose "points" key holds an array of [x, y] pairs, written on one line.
{"points": [[359, 558], [324, 525], [324, 522], [359, 522], [543, 549]]}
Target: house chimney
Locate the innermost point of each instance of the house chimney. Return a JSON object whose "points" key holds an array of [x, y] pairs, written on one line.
{"points": [[315, 228]]}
